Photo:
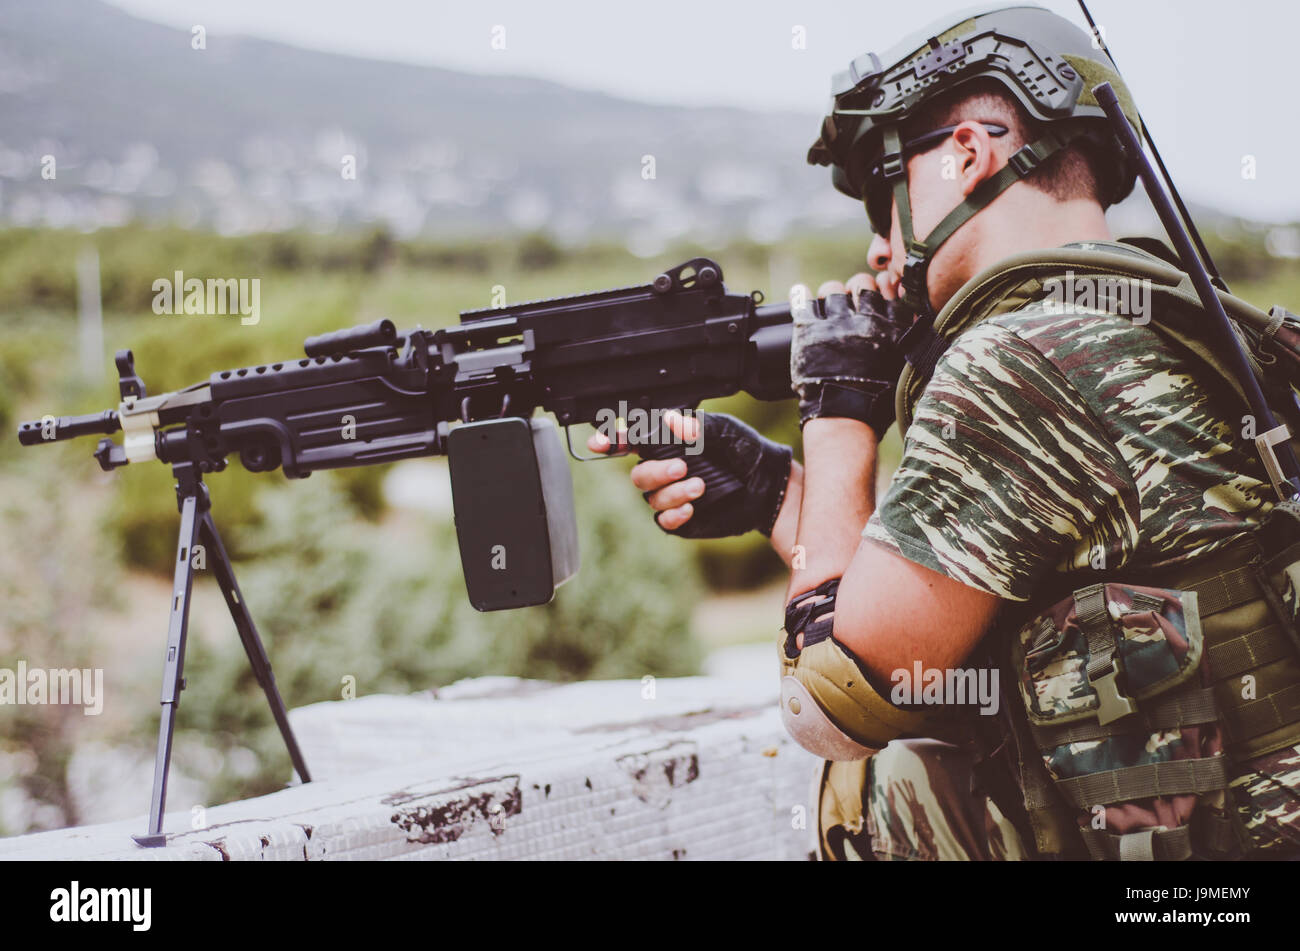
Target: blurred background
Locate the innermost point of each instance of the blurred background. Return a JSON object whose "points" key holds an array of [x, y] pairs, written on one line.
{"points": [[491, 144]]}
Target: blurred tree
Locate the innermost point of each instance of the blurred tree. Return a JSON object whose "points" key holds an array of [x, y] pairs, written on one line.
{"points": [[538, 252], [48, 604], [377, 251]]}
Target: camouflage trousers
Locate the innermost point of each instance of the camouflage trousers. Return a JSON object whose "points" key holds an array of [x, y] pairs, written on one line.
{"points": [[916, 799]]}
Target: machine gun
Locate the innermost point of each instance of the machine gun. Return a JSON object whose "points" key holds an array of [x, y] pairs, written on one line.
{"points": [[370, 395]]}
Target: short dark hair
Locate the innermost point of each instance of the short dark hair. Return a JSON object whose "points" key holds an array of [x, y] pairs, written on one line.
{"points": [[1070, 173]]}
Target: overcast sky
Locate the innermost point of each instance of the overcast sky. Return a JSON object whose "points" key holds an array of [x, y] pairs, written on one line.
{"points": [[1215, 81]]}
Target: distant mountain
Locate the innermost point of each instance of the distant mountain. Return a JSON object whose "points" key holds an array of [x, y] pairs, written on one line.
{"points": [[249, 135]]}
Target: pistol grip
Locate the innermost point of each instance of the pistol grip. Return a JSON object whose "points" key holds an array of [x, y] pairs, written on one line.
{"points": [[718, 483]]}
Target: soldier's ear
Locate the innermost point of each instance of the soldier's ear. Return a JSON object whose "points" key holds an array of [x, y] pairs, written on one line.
{"points": [[971, 157]]}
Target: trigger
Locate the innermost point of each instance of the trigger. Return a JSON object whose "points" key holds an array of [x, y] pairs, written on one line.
{"points": [[568, 442]]}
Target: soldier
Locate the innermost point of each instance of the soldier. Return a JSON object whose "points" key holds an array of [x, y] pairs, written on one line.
{"points": [[1075, 510]]}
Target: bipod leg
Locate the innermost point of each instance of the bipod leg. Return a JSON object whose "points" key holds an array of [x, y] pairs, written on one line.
{"points": [[192, 496], [261, 664]]}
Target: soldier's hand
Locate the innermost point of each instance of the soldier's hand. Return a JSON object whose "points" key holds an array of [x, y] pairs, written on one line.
{"points": [[680, 503], [844, 355]]}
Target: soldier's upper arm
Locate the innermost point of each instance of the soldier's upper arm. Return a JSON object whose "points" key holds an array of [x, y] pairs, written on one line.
{"points": [[1006, 476], [892, 612]]}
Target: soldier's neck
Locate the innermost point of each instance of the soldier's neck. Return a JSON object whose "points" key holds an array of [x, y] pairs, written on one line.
{"points": [[1035, 221], [1041, 222]]}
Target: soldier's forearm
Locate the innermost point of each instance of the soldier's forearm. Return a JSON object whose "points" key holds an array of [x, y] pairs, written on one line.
{"points": [[838, 496]]}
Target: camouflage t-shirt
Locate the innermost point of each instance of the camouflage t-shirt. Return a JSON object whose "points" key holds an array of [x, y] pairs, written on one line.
{"points": [[1051, 441], [1058, 441]]}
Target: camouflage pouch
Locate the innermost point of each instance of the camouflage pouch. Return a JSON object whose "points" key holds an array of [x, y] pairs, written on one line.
{"points": [[1121, 711]]}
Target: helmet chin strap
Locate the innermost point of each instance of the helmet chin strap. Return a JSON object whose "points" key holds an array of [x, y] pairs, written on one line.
{"points": [[920, 252]]}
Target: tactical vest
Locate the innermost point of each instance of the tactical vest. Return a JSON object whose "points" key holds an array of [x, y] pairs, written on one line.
{"points": [[1121, 689]]}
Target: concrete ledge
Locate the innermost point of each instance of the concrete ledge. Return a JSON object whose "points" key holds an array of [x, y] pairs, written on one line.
{"points": [[498, 768]]}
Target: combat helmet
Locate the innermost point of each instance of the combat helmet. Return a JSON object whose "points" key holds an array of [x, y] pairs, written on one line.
{"points": [[1046, 62]]}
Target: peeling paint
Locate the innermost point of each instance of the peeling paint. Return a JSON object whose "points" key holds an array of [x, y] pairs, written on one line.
{"points": [[446, 815], [657, 772]]}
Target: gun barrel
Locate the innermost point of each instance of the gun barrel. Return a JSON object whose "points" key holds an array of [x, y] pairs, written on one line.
{"points": [[53, 429]]}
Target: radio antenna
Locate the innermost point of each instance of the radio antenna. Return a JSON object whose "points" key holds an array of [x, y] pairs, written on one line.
{"points": [[1155, 152]]}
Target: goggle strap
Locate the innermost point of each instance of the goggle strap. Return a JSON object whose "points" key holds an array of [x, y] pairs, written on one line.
{"points": [[893, 143]]}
